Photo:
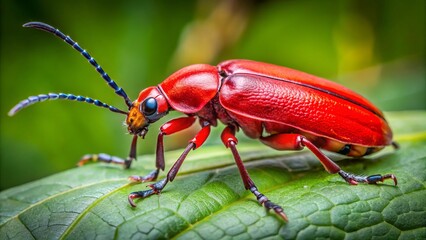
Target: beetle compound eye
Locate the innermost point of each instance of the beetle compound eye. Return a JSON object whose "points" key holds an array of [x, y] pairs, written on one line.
{"points": [[149, 106]]}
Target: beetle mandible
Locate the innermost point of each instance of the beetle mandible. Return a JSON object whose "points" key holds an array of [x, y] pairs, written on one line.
{"points": [[284, 108]]}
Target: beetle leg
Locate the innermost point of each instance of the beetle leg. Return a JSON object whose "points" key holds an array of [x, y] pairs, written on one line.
{"points": [[297, 142], [157, 187], [102, 157], [170, 127], [372, 179], [230, 141]]}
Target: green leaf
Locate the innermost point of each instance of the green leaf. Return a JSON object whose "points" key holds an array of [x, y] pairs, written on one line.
{"points": [[208, 200]]}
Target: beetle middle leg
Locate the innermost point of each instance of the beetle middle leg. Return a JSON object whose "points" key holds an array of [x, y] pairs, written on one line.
{"points": [[298, 142], [230, 141]]}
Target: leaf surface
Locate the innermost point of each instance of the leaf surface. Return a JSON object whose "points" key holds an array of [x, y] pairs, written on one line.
{"points": [[207, 199]]}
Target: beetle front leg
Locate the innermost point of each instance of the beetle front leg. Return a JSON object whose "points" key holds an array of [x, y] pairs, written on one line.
{"points": [[170, 127], [102, 157], [230, 141], [193, 144], [298, 142]]}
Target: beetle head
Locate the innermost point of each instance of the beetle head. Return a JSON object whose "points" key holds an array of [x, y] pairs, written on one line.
{"points": [[150, 106]]}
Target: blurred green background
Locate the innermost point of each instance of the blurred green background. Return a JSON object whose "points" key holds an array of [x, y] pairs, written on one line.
{"points": [[374, 47]]}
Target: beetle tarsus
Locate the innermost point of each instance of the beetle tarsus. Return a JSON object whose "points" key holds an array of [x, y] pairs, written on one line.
{"points": [[139, 194], [372, 179], [277, 209], [152, 176], [106, 158], [158, 186], [264, 201]]}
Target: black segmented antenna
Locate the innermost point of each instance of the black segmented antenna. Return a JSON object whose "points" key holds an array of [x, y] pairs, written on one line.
{"points": [[45, 27], [54, 96]]}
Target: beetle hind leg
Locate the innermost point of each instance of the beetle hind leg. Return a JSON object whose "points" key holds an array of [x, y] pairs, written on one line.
{"points": [[298, 142]]}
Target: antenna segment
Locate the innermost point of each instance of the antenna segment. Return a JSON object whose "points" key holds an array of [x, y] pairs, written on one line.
{"points": [[45, 27], [55, 96]]}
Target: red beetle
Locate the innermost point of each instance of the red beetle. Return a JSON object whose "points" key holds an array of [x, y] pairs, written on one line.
{"points": [[284, 108]]}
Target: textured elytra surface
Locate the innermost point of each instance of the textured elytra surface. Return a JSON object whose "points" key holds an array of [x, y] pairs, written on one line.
{"points": [[207, 200]]}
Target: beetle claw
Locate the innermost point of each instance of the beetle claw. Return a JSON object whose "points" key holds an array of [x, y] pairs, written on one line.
{"points": [[140, 194], [282, 215], [130, 199], [277, 209], [391, 176], [280, 212], [352, 182]]}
